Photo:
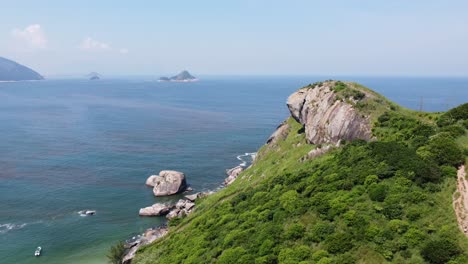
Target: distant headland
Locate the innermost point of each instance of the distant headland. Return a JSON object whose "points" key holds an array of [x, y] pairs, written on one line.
{"points": [[12, 71], [93, 76], [184, 76]]}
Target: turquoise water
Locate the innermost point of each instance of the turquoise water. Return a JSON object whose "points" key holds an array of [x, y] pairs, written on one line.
{"points": [[69, 145]]}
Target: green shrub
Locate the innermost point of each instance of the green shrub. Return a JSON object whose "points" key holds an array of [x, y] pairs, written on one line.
{"points": [[444, 150], [294, 255], [116, 253], [294, 231], [440, 251], [453, 115], [290, 201], [339, 243], [454, 130], [378, 192], [231, 255]]}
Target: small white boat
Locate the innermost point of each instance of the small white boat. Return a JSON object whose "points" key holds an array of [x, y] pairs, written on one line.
{"points": [[37, 253]]}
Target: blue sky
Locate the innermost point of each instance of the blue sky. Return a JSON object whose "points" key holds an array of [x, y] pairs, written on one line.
{"points": [[340, 37]]}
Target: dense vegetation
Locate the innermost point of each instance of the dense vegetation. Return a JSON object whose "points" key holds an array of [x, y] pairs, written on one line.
{"points": [[385, 201]]}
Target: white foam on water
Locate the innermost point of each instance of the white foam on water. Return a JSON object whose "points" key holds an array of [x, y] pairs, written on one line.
{"points": [[243, 161], [10, 226]]}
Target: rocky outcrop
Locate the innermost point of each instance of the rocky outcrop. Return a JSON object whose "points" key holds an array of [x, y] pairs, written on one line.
{"points": [[168, 182], [232, 174], [280, 133], [148, 237], [156, 209], [181, 209], [327, 119], [195, 196]]}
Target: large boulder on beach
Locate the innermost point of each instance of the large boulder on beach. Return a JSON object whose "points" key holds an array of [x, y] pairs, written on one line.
{"points": [[156, 209], [168, 182]]}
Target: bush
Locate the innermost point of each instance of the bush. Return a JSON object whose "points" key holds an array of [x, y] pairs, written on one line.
{"points": [[289, 201], [378, 192], [339, 243], [440, 251], [454, 130], [453, 115], [445, 150], [231, 255], [295, 231], [116, 253], [294, 255]]}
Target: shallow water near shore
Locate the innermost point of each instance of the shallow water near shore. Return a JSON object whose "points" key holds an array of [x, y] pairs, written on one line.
{"points": [[70, 145]]}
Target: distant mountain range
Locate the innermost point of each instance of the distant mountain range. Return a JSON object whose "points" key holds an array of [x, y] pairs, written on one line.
{"points": [[184, 76], [12, 71]]}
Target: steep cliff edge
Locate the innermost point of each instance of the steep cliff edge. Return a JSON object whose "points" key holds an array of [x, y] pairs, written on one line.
{"points": [[326, 118], [382, 196]]}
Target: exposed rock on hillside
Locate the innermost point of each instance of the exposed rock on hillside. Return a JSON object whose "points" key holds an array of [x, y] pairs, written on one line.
{"points": [[280, 133], [232, 174], [325, 117]]}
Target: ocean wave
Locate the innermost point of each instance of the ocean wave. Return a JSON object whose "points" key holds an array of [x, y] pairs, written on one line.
{"points": [[245, 162], [9, 226]]}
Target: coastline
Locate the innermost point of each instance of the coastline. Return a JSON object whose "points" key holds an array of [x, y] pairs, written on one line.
{"points": [[154, 233]]}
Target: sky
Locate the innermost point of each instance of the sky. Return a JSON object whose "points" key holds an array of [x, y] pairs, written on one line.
{"points": [[242, 37]]}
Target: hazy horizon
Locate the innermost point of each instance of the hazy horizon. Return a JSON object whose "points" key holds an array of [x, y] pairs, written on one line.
{"points": [[242, 38]]}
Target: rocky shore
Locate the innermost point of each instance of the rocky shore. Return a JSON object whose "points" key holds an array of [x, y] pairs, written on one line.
{"points": [[168, 183], [149, 236]]}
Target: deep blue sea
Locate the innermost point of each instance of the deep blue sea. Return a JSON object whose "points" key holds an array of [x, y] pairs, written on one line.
{"points": [[68, 145]]}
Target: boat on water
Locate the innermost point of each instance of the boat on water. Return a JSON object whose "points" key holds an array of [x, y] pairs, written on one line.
{"points": [[37, 253]]}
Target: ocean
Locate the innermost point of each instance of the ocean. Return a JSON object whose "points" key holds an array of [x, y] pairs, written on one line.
{"points": [[69, 145]]}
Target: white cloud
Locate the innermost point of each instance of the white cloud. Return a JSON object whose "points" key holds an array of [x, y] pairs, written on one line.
{"points": [[33, 36], [91, 44]]}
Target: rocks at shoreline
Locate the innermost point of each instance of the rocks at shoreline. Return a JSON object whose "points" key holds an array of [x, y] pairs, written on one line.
{"points": [[181, 209], [149, 236], [232, 174], [168, 182], [193, 197], [156, 209]]}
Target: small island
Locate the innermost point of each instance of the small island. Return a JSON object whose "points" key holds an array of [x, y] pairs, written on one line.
{"points": [[13, 71], [184, 76], [93, 76]]}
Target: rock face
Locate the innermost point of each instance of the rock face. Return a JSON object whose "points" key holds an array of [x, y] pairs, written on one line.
{"points": [[12, 71], [181, 209], [232, 174], [326, 119], [156, 209], [148, 237], [280, 133], [167, 183]]}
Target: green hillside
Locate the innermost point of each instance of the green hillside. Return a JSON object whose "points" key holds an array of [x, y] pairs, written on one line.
{"points": [[384, 201]]}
